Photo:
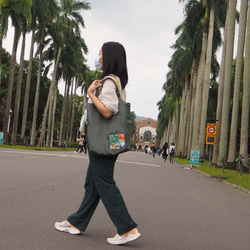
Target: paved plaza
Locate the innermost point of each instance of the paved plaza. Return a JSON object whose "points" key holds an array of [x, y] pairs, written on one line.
{"points": [[176, 208]]}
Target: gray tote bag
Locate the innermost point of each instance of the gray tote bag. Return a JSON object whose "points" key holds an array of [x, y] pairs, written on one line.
{"points": [[109, 136]]}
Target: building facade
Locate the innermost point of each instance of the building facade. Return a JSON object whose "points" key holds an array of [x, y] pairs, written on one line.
{"points": [[145, 133]]}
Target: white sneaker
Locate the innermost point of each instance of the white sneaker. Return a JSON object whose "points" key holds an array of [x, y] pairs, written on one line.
{"points": [[65, 226], [122, 239]]}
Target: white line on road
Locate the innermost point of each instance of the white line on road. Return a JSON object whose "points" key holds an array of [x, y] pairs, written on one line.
{"points": [[75, 156], [140, 163]]}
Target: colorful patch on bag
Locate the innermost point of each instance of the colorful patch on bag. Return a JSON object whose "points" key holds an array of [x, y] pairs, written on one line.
{"points": [[117, 141]]}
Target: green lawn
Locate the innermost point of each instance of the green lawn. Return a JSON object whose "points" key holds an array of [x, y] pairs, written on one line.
{"points": [[232, 176], [38, 148]]}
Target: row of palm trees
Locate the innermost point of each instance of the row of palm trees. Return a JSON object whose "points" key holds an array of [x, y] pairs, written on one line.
{"points": [[193, 96], [55, 28]]}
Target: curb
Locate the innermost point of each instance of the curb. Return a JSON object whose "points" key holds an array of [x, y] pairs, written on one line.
{"points": [[247, 191]]}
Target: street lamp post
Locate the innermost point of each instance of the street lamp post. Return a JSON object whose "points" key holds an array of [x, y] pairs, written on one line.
{"points": [[11, 112]]}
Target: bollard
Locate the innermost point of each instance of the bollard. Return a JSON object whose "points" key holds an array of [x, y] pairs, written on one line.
{"points": [[223, 164], [241, 165]]}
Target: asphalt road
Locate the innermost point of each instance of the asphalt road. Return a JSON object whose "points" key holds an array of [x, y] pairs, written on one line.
{"points": [[175, 208]]}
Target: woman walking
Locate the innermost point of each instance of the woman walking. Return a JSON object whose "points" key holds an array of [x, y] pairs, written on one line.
{"points": [[99, 182]]}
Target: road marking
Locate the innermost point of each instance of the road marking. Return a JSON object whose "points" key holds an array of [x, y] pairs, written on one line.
{"points": [[73, 156], [38, 156], [140, 163]]}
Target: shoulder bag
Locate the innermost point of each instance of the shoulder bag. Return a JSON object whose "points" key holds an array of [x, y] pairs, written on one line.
{"points": [[109, 136]]}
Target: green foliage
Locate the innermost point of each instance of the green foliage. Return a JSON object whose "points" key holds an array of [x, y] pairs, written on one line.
{"points": [[132, 123], [167, 107]]}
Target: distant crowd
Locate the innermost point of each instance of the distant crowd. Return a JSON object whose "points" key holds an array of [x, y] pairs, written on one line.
{"points": [[164, 152]]}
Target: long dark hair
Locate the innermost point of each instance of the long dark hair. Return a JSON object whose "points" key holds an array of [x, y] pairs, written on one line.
{"points": [[114, 61]]}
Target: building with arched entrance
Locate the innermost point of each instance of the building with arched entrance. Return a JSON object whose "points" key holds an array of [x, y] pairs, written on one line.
{"points": [[145, 133]]}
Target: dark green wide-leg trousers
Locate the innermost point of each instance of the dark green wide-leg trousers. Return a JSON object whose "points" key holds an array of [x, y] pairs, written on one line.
{"points": [[100, 184]]}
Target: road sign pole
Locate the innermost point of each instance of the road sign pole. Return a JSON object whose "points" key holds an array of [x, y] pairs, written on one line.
{"points": [[210, 154]]}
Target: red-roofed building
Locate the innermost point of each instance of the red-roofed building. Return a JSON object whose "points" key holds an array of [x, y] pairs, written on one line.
{"points": [[145, 132]]}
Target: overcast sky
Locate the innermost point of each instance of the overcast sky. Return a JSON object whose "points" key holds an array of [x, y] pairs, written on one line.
{"points": [[146, 29]]}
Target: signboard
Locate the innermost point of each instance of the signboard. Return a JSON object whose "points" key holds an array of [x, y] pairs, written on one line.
{"points": [[211, 133], [211, 128], [1, 137], [210, 139], [195, 157]]}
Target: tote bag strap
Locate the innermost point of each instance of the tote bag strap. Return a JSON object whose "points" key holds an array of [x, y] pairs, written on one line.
{"points": [[115, 80]]}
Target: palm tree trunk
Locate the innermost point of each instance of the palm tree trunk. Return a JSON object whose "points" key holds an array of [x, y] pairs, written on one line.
{"points": [[68, 116], [237, 82], [181, 131], [10, 88], [227, 84], [18, 91], [199, 90], [62, 125], [192, 107], [206, 84], [27, 89], [177, 121], [33, 129], [172, 128], [49, 119], [1, 58], [73, 112], [188, 116], [246, 101], [220, 100], [51, 90], [53, 116]]}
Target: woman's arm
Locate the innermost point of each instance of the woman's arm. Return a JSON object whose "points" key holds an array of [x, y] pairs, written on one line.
{"points": [[105, 112]]}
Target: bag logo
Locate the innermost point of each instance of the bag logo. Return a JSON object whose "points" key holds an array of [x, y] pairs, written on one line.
{"points": [[117, 141]]}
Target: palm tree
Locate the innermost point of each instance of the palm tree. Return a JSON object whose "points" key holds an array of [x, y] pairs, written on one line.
{"points": [[206, 81], [169, 108], [45, 19], [36, 8], [237, 82], [219, 102], [190, 38], [72, 69], [4, 17], [214, 40], [181, 64], [72, 20], [245, 101], [14, 8], [18, 89], [227, 81], [24, 24], [199, 84]]}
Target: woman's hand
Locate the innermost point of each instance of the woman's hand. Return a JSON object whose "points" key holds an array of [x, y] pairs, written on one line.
{"points": [[105, 112], [94, 85]]}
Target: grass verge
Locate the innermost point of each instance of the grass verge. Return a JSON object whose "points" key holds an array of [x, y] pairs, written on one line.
{"points": [[232, 176], [37, 148]]}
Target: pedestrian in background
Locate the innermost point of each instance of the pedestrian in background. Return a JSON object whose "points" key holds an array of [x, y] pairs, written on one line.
{"points": [[154, 150], [80, 143], [165, 151], [172, 152]]}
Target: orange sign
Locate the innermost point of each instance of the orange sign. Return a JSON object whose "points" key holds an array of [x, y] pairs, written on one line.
{"points": [[211, 129], [210, 139], [211, 133]]}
